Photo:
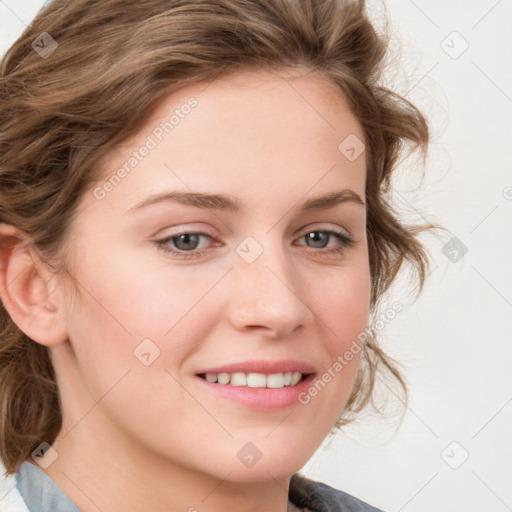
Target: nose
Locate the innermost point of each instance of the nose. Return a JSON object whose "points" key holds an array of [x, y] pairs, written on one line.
{"points": [[268, 294]]}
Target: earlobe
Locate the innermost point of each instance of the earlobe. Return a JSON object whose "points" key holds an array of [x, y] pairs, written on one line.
{"points": [[24, 289]]}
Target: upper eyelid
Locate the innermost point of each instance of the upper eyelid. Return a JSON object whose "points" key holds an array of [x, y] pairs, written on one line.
{"points": [[186, 231]]}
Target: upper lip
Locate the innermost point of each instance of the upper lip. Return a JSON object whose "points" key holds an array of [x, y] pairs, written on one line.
{"points": [[262, 366]]}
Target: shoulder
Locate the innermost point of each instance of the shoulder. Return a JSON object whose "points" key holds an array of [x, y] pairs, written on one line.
{"points": [[320, 497], [10, 498]]}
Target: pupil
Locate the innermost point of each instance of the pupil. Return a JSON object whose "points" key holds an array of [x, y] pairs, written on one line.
{"points": [[315, 236], [186, 238]]}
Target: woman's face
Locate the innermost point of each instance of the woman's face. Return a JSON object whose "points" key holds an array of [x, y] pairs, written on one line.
{"points": [[169, 289]]}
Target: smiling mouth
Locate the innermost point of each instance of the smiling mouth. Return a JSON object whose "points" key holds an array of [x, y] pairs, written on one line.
{"points": [[255, 380]]}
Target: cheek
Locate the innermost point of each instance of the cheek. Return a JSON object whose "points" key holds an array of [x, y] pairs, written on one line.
{"points": [[343, 305], [136, 294], [122, 302], [343, 308]]}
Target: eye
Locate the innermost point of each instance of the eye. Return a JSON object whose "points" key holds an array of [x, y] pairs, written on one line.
{"points": [[187, 241], [184, 242], [186, 245], [319, 238]]}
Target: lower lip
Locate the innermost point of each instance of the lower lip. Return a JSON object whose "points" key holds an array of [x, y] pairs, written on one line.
{"points": [[263, 399]]}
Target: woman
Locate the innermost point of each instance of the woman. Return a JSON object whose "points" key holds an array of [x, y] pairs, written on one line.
{"points": [[195, 235]]}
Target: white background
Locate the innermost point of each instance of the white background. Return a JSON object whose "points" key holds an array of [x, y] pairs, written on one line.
{"points": [[455, 340]]}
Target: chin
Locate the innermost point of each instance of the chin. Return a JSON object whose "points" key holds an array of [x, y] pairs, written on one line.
{"points": [[261, 473], [279, 465]]}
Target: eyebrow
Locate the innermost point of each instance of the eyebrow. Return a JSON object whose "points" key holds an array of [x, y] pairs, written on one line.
{"points": [[232, 204]]}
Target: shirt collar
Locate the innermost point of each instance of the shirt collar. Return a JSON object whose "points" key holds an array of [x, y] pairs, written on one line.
{"points": [[40, 492]]}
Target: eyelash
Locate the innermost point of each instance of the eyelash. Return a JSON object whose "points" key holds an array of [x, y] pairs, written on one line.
{"points": [[346, 243]]}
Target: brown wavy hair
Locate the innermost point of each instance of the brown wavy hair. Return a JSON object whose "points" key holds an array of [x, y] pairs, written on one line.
{"points": [[60, 113]]}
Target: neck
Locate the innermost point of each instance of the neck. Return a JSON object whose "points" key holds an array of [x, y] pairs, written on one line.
{"points": [[119, 477]]}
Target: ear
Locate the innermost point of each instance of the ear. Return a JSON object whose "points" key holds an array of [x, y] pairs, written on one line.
{"points": [[24, 289]]}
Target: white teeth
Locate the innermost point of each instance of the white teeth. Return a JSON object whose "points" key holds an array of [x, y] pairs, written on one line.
{"points": [[295, 378], [275, 380], [238, 379], [256, 380], [223, 378]]}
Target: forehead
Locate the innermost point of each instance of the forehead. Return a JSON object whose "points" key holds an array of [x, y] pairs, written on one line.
{"points": [[252, 104], [253, 133]]}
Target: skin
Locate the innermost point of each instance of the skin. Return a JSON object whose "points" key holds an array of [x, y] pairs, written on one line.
{"points": [[139, 437]]}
